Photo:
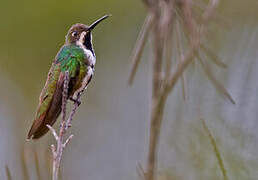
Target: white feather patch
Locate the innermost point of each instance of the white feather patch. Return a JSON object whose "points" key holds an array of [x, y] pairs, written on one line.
{"points": [[91, 58]]}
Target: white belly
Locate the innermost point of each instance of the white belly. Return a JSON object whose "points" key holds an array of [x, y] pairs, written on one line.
{"points": [[91, 60], [90, 57]]}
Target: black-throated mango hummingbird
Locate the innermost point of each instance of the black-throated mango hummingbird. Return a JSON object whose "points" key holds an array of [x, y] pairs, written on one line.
{"points": [[76, 57]]}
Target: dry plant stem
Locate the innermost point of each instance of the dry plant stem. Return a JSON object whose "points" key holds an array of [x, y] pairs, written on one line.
{"points": [[167, 24], [24, 164], [65, 124], [213, 57], [162, 13], [155, 116], [181, 54], [57, 153], [158, 105], [48, 164], [157, 59], [177, 71], [216, 150], [195, 43], [8, 173], [161, 90], [139, 46], [214, 81], [160, 32], [37, 165]]}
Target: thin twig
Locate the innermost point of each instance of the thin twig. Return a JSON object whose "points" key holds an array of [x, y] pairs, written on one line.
{"points": [[156, 86], [186, 60], [139, 46], [216, 150], [140, 171], [59, 149], [214, 58], [72, 113], [157, 58], [24, 166], [48, 164], [8, 173], [209, 11], [67, 140], [53, 131], [167, 23], [37, 165], [214, 81], [195, 41], [65, 124], [179, 42], [162, 86]]}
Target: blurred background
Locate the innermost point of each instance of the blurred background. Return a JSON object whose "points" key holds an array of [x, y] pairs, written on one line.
{"points": [[111, 125]]}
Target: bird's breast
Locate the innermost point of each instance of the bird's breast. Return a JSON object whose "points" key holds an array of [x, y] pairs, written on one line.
{"points": [[83, 81], [90, 58]]}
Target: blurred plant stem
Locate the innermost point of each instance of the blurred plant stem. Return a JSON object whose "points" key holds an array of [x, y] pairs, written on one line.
{"points": [[7, 172], [37, 165], [160, 20], [216, 150], [24, 165]]}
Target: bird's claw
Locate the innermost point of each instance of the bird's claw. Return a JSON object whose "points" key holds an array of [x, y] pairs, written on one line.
{"points": [[68, 126], [75, 101]]}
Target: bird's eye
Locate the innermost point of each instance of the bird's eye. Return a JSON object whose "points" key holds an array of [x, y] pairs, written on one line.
{"points": [[74, 33]]}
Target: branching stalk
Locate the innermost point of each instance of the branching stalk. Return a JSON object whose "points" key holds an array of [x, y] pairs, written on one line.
{"points": [[163, 12], [61, 143], [139, 46]]}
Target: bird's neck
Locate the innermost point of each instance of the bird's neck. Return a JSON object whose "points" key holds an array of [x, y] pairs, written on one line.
{"points": [[89, 53]]}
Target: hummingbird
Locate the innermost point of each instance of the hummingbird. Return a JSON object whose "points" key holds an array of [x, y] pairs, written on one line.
{"points": [[76, 57]]}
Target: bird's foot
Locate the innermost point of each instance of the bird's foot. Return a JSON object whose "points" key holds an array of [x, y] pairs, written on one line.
{"points": [[68, 126], [75, 101]]}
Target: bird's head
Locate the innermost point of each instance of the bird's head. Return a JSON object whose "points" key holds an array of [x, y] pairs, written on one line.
{"points": [[81, 33]]}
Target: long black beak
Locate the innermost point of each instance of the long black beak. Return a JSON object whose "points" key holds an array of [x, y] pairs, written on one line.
{"points": [[92, 26]]}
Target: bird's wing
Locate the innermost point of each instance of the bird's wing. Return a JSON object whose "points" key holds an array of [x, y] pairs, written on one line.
{"points": [[50, 100]]}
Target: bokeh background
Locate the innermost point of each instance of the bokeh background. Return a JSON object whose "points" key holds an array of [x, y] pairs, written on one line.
{"points": [[111, 126]]}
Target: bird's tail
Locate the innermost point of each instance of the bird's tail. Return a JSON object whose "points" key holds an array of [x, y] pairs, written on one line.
{"points": [[39, 126]]}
